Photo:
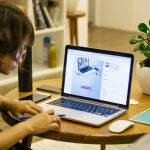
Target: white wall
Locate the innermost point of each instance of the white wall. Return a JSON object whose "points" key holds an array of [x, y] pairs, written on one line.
{"points": [[121, 14], [91, 8], [82, 25]]}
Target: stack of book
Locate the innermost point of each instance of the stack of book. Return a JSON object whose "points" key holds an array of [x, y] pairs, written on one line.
{"points": [[42, 14]]}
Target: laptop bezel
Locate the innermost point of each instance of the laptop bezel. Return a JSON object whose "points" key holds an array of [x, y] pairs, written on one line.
{"points": [[95, 50]]}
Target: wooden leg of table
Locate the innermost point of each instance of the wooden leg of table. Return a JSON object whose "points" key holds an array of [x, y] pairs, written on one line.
{"points": [[76, 31], [71, 30], [103, 147], [27, 141]]}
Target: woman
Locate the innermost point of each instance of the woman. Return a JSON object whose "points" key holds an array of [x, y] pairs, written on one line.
{"points": [[16, 35]]}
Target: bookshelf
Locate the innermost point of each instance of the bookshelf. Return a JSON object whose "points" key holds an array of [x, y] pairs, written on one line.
{"points": [[56, 33]]}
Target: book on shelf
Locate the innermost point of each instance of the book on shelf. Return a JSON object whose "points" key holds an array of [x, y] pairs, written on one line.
{"points": [[48, 16], [54, 7], [37, 22], [40, 22], [45, 15]]}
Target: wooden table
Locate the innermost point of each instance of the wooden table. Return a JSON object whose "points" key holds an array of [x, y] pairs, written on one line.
{"points": [[80, 133]]}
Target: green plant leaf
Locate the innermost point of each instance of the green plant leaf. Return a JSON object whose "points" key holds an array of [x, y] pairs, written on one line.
{"points": [[140, 47], [136, 39], [147, 48], [148, 34], [142, 42], [143, 27], [133, 41], [140, 37], [146, 54]]}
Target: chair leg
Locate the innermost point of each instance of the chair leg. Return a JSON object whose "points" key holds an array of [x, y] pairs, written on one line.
{"points": [[103, 147]]}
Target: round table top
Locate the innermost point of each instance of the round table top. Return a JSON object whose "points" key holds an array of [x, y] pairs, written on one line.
{"points": [[75, 14], [81, 133]]}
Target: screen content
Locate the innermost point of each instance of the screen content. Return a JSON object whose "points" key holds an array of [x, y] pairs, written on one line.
{"points": [[98, 76]]}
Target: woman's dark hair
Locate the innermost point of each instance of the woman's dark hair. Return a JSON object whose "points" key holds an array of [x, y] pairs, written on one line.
{"points": [[15, 26]]}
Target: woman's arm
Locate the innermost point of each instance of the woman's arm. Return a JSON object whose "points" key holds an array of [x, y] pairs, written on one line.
{"points": [[13, 135], [40, 123]]}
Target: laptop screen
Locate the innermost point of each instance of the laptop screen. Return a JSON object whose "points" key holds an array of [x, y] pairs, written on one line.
{"points": [[100, 75]]}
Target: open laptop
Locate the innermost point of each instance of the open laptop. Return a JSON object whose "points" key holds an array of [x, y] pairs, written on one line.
{"points": [[83, 64], [98, 97]]}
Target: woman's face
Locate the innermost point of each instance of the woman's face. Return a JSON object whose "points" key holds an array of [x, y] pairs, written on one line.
{"points": [[9, 62]]}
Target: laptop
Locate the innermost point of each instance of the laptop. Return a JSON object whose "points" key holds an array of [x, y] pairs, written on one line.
{"points": [[83, 64], [98, 97]]}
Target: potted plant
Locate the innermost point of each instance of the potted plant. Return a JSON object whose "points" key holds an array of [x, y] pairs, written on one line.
{"points": [[142, 45]]}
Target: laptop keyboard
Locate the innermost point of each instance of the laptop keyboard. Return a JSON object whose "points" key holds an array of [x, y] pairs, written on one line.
{"points": [[83, 106], [86, 69]]}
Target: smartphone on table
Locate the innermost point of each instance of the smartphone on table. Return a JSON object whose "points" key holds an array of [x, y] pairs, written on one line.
{"points": [[49, 88], [36, 97]]}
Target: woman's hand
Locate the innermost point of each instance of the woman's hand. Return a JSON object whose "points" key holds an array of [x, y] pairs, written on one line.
{"points": [[19, 108], [38, 124], [43, 122]]}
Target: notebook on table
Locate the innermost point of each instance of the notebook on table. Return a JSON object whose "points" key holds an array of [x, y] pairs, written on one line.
{"points": [[143, 117], [97, 94]]}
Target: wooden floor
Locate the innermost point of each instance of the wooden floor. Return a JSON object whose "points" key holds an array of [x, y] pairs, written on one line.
{"points": [[104, 38]]}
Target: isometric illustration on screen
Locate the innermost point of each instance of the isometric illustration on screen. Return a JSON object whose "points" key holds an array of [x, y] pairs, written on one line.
{"points": [[87, 77], [83, 65]]}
